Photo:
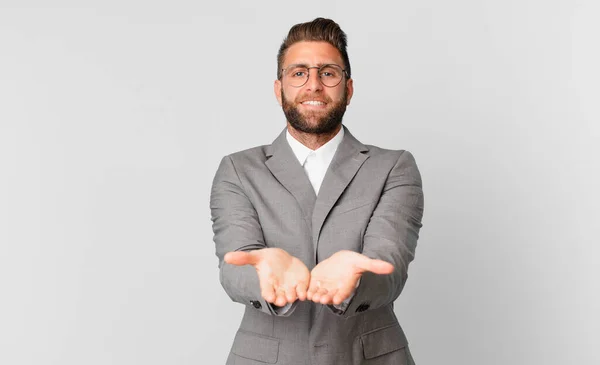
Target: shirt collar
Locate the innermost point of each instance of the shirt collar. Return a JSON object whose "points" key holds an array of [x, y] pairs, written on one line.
{"points": [[327, 150]]}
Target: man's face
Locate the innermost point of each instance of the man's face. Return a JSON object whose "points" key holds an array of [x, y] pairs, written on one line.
{"points": [[313, 107]]}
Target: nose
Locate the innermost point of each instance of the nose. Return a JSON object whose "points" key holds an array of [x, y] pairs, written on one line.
{"points": [[313, 83]]}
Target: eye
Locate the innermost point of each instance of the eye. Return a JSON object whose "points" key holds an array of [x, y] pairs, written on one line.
{"points": [[329, 72], [297, 72]]}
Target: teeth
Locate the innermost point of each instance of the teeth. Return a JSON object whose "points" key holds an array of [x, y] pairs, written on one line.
{"points": [[313, 102]]}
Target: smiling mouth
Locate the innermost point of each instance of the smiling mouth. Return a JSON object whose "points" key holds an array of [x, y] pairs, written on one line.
{"points": [[313, 102]]}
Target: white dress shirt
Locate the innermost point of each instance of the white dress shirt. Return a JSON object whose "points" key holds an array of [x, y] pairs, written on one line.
{"points": [[315, 163]]}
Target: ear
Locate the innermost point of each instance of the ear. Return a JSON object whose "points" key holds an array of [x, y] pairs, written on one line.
{"points": [[349, 90], [277, 90]]}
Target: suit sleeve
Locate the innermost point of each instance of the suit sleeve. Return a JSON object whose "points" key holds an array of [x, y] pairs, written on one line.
{"points": [[391, 235], [236, 227]]}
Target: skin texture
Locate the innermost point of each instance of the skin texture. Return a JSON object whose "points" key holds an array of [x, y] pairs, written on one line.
{"points": [[284, 278]]}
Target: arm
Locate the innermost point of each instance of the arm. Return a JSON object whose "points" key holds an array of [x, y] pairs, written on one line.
{"points": [[236, 227], [391, 236]]}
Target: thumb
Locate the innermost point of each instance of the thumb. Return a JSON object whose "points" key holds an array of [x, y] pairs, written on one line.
{"points": [[240, 258], [375, 266]]}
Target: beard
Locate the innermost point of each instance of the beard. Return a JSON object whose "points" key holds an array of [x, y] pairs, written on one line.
{"points": [[323, 122]]}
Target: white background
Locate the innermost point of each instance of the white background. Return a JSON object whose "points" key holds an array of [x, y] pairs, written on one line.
{"points": [[115, 115]]}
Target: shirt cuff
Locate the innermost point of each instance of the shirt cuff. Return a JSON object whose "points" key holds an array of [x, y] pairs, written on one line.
{"points": [[281, 310]]}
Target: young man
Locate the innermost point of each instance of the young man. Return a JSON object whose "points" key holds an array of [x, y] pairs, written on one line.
{"points": [[314, 233]]}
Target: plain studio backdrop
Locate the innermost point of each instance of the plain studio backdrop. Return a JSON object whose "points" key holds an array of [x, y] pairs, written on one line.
{"points": [[115, 115]]}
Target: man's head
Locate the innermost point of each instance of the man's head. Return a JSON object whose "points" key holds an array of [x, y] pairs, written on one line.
{"points": [[314, 97]]}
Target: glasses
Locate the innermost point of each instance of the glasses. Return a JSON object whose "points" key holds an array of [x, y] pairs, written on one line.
{"points": [[297, 75]]}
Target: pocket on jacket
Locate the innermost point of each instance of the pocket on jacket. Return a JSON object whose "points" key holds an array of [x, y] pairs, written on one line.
{"points": [[256, 347], [383, 341]]}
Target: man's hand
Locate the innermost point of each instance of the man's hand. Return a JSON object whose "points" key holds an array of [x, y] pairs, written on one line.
{"points": [[333, 280], [283, 278]]}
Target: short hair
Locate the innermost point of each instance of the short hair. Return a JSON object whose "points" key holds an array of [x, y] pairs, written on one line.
{"points": [[320, 29]]}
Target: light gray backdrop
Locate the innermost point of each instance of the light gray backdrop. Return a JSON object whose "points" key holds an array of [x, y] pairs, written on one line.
{"points": [[114, 116]]}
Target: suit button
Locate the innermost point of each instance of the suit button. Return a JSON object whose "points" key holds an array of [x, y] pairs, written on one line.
{"points": [[363, 307], [256, 304]]}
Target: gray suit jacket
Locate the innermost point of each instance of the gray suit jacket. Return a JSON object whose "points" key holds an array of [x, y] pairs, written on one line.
{"points": [[370, 201]]}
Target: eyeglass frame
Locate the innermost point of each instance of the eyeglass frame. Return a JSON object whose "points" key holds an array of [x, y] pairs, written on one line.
{"points": [[344, 72]]}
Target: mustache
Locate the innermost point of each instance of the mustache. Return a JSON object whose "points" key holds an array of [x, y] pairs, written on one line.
{"points": [[317, 97]]}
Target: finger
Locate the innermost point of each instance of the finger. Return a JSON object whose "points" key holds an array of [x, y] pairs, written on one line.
{"points": [[268, 293], [320, 293], [328, 298], [240, 258], [280, 301], [340, 296], [301, 290], [314, 286], [375, 266], [290, 294]]}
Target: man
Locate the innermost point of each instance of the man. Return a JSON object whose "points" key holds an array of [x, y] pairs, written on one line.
{"points": [[314, 233]]}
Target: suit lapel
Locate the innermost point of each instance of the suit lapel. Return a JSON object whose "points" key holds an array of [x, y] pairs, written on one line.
{"points": [[284, 165], [348, 158]]}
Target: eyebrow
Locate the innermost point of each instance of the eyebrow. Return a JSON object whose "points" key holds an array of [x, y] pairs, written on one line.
{"points": [[306, 65]]}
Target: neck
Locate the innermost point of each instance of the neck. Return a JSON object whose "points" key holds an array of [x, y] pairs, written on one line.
{"points": [[312, 140]]}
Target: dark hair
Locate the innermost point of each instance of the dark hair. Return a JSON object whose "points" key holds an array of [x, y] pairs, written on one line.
{"points": [[320, 29]]}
